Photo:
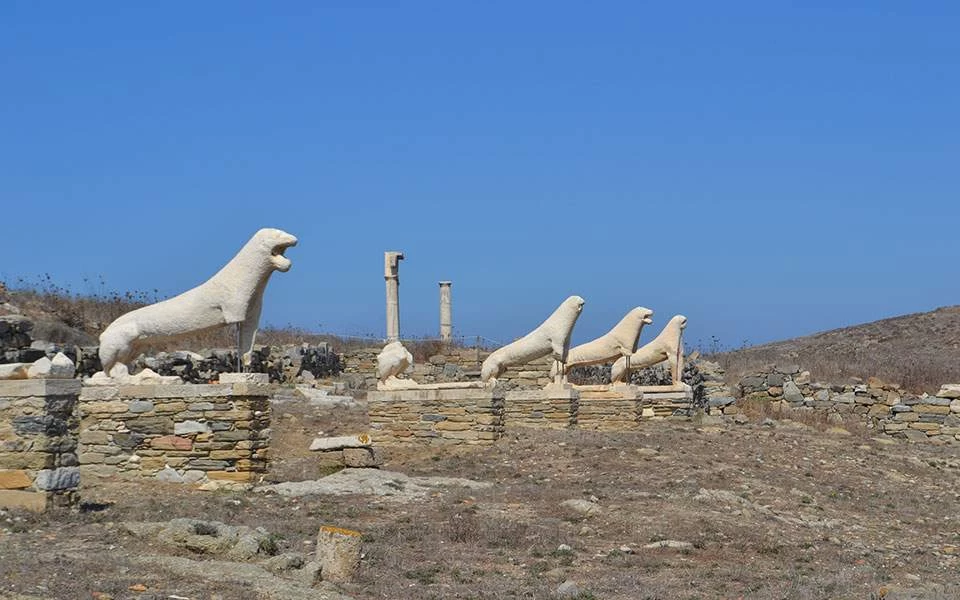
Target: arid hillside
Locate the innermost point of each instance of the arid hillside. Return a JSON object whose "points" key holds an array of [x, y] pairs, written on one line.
{"points": [[918, 351]]}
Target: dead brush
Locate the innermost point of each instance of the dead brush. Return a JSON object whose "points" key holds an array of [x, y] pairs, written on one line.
{"points": [[758, 409], [919, 352]]}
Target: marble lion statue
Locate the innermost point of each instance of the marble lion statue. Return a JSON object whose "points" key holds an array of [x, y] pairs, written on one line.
{"points": [[668, 346], [552, 337], [393, 360], [233, 296], [619, 341]]}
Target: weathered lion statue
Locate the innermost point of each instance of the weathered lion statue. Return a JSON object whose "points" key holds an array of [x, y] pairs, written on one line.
{"points": [[551, 337], [668, 346], [392, 361], [233, 296], [619, 341]]}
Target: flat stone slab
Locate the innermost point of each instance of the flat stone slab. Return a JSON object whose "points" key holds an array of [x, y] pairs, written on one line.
{"points": [[659, 389], [421, 394], [685, 396], [259, 579], [616, 390], [361, 440], [408, 384], [261, 378], [548, 393], [39, 387], [374, 482]]}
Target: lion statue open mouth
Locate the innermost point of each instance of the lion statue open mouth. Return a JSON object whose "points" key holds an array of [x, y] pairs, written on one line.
{"points": [[233, 296]]}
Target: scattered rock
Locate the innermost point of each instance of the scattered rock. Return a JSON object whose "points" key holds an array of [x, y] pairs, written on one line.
{"points": [[169, 474], [14, 371], [388, 484], [669, 544], [792, 393], [567, 589], [837, 431], [61, 367], [40, 369], [579, 507]]}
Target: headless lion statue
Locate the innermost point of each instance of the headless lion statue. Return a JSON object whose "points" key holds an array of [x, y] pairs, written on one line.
{"points": [[393, 360], [551, 337], [619, 341], [233, 296], [668, 346]]}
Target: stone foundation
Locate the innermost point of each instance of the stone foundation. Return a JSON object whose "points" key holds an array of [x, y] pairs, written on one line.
{"points": [[436, 416], [664, 401], [180, 433], [609, 408], [554, 407], [451, 365], [38, 443]]}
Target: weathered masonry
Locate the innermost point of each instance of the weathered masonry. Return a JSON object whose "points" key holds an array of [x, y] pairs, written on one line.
{"points": [[38, 443], [181, 433]]}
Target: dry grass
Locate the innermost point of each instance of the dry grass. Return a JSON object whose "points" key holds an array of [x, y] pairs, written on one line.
{"points": [[918, 352], [806, 515], [90, 312]]}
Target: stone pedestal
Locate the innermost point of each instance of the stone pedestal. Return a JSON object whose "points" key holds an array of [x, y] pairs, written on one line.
{"points": [[436, 416], [338, 552], [38, 443], [178, 433], [258, 378], [615, 407], [663, 401], [554, 407]]}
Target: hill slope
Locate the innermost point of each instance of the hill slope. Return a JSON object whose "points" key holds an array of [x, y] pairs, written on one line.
{"points": [[919, 351]]}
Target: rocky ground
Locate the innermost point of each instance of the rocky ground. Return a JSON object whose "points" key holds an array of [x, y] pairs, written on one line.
{"points": [[765, 509]]}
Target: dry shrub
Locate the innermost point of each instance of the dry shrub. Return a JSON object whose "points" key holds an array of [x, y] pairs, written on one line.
{"points": [[758, 409], [92, 311], [919, 352]]}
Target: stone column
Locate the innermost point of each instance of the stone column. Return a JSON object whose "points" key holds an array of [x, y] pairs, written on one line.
{"points": [[391, 272], [446, 315]]}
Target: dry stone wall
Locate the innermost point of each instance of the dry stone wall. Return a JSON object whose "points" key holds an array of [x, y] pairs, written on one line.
{"points": [[884, 406], [179, 433], [38, 443], [541, 410], [436, 417]]}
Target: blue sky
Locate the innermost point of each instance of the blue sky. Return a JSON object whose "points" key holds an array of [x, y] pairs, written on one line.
{"points": [[769, 169]]}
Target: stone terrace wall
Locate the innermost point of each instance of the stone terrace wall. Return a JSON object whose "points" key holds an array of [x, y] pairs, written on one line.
{"points": [[436, 417], [38, 442], [883, 406], [180, 433], [541, 409], [454, 364]]}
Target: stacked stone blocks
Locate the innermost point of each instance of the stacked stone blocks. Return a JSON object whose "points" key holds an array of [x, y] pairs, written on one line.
{"points": [[886, 407], [38, 443], [453, 364], [181, 433], [603, 409], [436, 417], [542, 409]]}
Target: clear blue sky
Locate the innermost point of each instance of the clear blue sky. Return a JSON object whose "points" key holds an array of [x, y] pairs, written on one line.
{"points": [[769, 169]]}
